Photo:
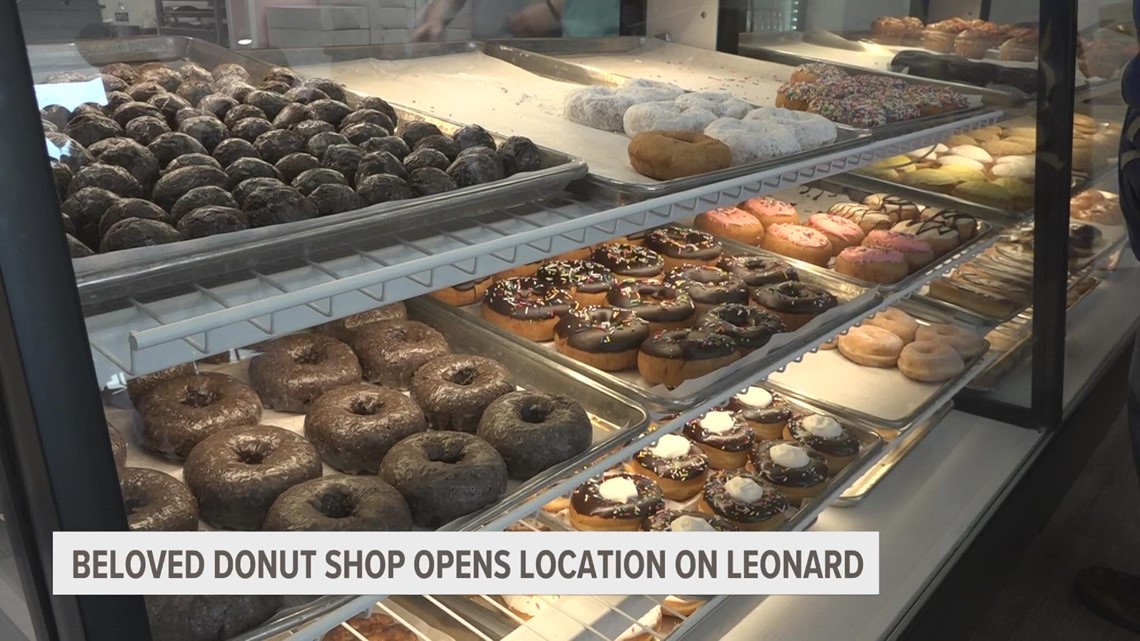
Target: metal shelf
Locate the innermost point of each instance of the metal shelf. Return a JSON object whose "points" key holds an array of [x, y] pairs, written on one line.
{"points": [[143, 336]]}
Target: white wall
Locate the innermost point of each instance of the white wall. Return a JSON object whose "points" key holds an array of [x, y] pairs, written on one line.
{"points": [[852, 15]]}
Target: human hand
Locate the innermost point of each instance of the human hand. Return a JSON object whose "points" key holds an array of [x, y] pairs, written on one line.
{"points": [[429, 31]]}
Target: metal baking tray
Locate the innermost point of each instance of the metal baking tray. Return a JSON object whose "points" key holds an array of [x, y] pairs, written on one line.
{"points": [[819, 199], [879, 397], [797, 518], [776, 48], [110, 276], [854, 301], [862, 486], [874, 185]]}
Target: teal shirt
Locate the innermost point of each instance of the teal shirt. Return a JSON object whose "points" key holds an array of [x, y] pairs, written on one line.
{"points": [[591, 18]]}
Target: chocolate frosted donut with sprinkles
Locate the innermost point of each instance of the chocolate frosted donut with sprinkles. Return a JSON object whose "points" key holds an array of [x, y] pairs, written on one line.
{"points": [[629, 261], [798, 471], [757, 271], [604, 337], [675, 463], [745, 500], [664, 307], [826, 436], [708, 287], [526, 306], [765, 412], [620, 501], [686, 521], [725, 438], [749, 326], [673, 357], [588, 282], [795, 303], [681, 246]]}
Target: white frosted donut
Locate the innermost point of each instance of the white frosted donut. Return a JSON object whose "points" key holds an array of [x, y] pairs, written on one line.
{"points": [[648, 90], [665, 116], [810, 130], [752, 141], [597, 107], [721, 103]]}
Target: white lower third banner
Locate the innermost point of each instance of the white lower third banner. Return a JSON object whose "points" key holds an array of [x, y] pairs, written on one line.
{"points": [[412, 563]]}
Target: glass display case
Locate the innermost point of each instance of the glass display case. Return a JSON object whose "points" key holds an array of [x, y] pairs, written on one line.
{"points": [[885, 235]]}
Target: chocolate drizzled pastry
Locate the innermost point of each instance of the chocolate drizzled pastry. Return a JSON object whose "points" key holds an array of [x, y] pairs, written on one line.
{"points": [[602, 329]]}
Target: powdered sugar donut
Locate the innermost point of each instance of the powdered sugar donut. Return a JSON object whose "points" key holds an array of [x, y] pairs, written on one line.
{"points": [[752, 141], [721, 103], [646, 90], [665, 116], [598, 107], [810, 130]]}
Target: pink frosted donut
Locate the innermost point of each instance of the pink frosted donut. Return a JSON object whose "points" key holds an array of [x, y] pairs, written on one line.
{"points": [[917, 251], [841, 232], [796, 241], [731, 222], [872, 264], [770, 211]]}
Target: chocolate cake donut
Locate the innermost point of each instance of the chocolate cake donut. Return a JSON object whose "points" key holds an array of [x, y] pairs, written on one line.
{"points": [[421, 158], [474, 136], [130, 208], [118, 448], [344, 328], [138, 232], [534, 430], [212, 220], [294, 371], [757, 271], [444, 475], [794, 302], [378, 163], [180, 412], [113, 178], [520, 154], [428, 181], [210, 196], [157, 502], [242, 169], [394, 145], [237, 474], [339, 504], [192, 160], [708, 286], [295, 164], [607, 338], [140, 386], [353, 427], [454, 390], [231, 149], [251, 128], [390, 353], [207, 618], [371, 116]]}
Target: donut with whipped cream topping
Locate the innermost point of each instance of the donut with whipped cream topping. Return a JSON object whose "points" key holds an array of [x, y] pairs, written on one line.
{"points": [[826, 436], [617, 502], [797, 471], [725, 437], [745, 500], [674, 463], [765, 412]]}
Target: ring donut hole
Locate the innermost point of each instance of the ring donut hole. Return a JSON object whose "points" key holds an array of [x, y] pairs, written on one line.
{"points": [[335, 503], [445, 453], [462, 375], [366, 406], [311, 354], [134, 503], [535, 411], [199, 396], [253, 452]]}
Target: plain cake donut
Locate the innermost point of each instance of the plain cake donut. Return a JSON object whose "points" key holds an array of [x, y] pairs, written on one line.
{"points": [[353, 427], [665, 155], [895, 321], [930, 362], [295, 370], [870, 346], [968, 344], [534, 430], [444, 475], [179, 413], [237, 474], [340, 504], [454, 390]]}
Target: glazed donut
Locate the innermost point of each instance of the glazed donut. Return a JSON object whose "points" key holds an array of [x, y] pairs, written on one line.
{"points": [[586, 281], [841, 232], [598, 107], [619, 501], [766, 413], [340, 504], [343, 329], [720, 103], [870, 346], [527, 307], [686, 521], [771, 211], [118, 448], [965, 224], [140, 386], [745, 500], [533, 430], [352, 427], [157, 502], [872, 264], [628, 261], [664, 307], [725, 437], [930, 362], [826, 436], [675, 464], [454, 390], [731, 222], [294, 370], [749, 326], [753, 140], [607, 338], [797, 471], [810, 130], [671, 358], [708, 287], [917, 251], [665, 116], [179, 413], [463, 294], [968, 344], [237, 474], [794, 302], [801, 243], [390, 353], [895, 321], [757, 271], [681, 246], [444, 475]]}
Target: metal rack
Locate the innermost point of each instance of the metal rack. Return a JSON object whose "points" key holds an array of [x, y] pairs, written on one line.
{"points": [[143, 336], [176, 17]]}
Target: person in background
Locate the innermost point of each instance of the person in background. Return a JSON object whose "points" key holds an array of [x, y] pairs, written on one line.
{"points": [[1112, 594], [523, 18]]}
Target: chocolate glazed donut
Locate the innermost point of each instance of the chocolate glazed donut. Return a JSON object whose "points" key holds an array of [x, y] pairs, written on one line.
{"points": [[179, 413], [339, 504], [708, 286], [118, 448], [353, 427], [664, 307], [663, 521], [629, 261], [757, 271], [295, 370], [533, 431], [238, 474], [605, 337], [750, 327], [140, 386], [444, 475], [390, 353], [454, 390], [157, 502], [682, 246], [343, 329], [207, 618]]}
